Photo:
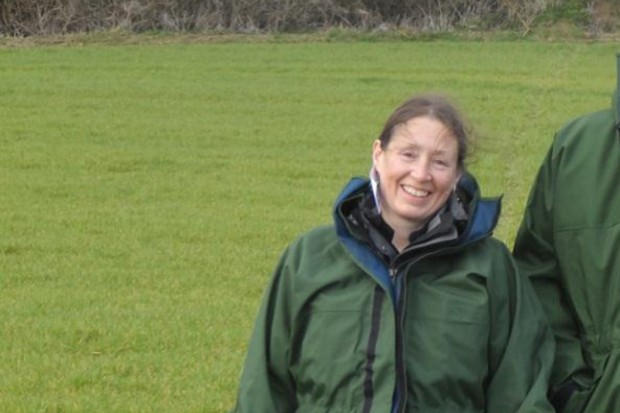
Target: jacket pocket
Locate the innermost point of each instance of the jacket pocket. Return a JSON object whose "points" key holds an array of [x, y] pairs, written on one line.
{"points": [[446, 345]]}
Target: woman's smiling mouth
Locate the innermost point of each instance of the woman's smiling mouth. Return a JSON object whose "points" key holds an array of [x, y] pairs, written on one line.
{"points": [[414, 191]]}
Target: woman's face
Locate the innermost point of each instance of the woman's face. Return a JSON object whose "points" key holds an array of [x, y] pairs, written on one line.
{"points": [[417, 171]]}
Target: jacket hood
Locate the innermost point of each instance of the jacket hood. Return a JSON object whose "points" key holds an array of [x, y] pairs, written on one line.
{"points": [[483, 212], [483, 216]]}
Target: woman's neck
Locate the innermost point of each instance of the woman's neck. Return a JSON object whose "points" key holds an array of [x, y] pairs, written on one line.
{"points": [[402, 231], [400, 241]]}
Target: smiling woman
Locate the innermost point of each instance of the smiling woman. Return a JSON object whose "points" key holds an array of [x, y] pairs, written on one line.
{"points": [[149, 184], [419, 161], [407, 303]]}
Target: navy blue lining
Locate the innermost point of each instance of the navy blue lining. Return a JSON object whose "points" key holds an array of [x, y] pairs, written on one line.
{"points": [[484, 218], [359, 250]]}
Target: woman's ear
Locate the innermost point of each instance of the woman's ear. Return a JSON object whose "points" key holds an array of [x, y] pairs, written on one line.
{"points": [[377, 151]]}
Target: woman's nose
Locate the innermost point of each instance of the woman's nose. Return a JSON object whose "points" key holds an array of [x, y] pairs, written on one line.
{"points": [[421, 171]]}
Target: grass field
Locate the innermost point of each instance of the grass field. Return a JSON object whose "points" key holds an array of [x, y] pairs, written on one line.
{"points": [[148, 190]]}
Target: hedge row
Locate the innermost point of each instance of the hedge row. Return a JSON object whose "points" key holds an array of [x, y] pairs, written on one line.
{"points": [[42, 17]]}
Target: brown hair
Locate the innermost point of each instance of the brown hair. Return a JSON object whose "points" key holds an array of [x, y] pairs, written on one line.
{"points": [[435, 106]]}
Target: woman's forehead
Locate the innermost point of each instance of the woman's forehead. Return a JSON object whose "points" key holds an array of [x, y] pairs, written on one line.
{"points": [[422, 133]]}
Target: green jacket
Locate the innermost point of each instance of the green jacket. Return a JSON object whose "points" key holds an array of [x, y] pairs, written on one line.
{"points": [[569, 246], [450, 328]]}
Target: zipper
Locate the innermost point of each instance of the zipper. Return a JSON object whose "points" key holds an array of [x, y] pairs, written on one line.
{"points": [[401, 372], [401, 304]]}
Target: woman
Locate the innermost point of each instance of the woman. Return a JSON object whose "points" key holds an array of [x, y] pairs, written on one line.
{"points": [[406, 303]]}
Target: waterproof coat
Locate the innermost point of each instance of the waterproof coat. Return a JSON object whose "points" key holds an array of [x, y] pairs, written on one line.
{"points": [[569, 246], [446, 328]]}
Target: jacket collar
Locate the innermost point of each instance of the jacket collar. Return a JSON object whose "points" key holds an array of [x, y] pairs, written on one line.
{"points": [[483, 212]]}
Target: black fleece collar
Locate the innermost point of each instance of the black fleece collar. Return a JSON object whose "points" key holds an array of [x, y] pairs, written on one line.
{"points": [[446, 225]]}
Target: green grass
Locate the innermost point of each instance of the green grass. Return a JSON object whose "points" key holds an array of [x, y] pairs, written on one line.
{"points": [[148, 190]]}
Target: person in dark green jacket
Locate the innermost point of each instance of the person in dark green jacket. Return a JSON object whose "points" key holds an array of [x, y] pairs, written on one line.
{"points": [[406, 303], [568, 245]]}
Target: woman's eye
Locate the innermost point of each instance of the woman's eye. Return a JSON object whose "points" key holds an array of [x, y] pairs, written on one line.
{"points": [[441, 162]]}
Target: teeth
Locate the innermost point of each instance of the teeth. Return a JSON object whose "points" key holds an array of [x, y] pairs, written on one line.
{"points": [[415, 192]]}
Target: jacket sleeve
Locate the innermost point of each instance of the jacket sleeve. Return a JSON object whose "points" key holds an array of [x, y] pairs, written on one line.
{"points": [[266, 385], [536, 259], [521, 345]]}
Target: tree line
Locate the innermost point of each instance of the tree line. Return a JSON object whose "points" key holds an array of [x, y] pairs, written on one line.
{"points": [[44, 17]]}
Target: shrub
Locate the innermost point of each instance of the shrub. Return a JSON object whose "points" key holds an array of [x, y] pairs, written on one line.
{"points": [[41, 17]]}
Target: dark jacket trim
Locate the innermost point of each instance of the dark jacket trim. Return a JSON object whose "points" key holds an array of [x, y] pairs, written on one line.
{"points": [[377, 304], [561, 396]]}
